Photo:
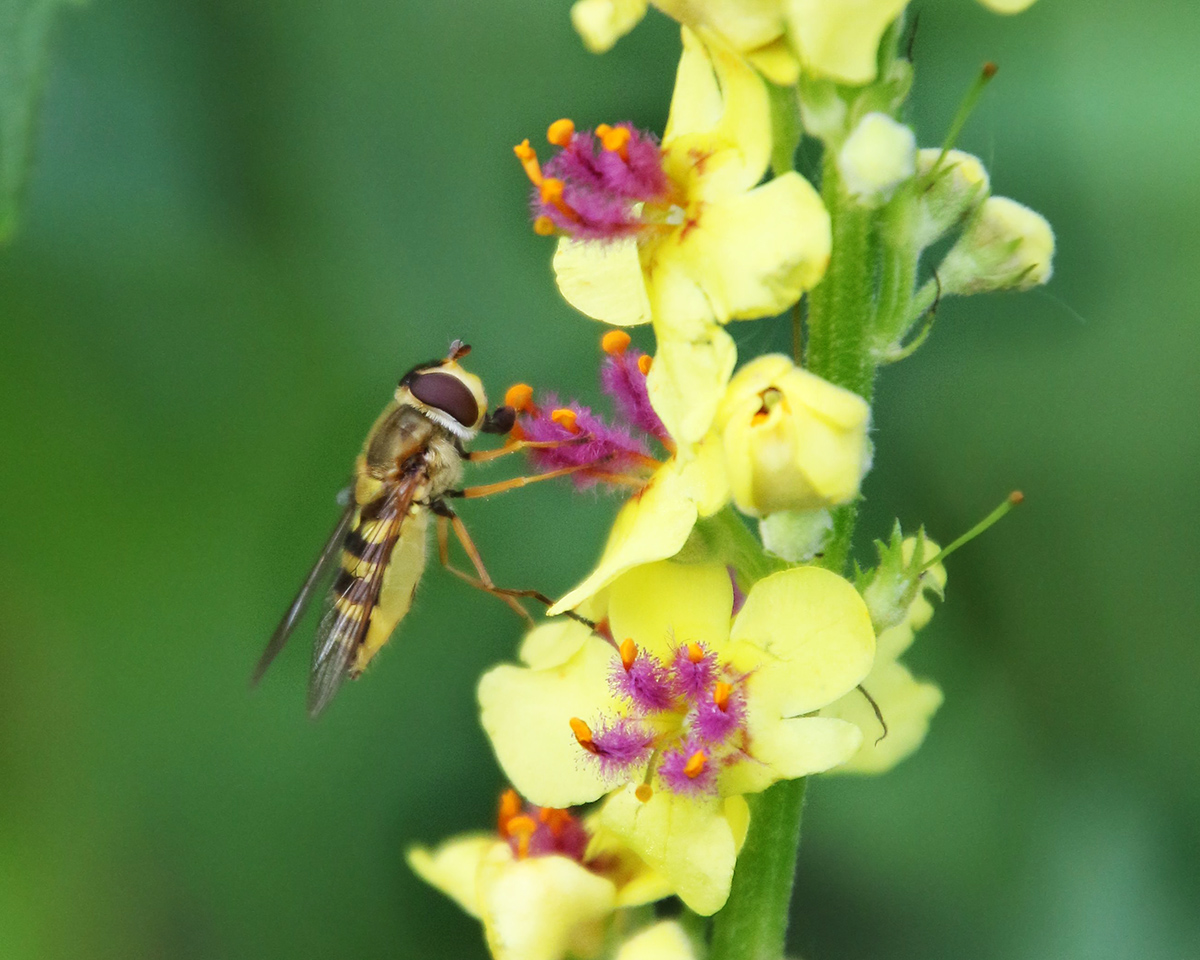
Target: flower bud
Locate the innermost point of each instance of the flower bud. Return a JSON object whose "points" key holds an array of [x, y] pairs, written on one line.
{"points": [[1006, 246], [878, 156], [956, 188], [792, 440]]}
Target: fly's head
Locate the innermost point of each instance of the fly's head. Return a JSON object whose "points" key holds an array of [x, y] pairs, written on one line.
{"points": [[452, 397]]}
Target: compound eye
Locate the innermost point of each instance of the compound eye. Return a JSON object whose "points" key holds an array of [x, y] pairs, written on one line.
{"points": [[445, 392]]}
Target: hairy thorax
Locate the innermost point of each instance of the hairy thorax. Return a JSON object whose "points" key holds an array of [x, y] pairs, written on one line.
{"points": [[405, 445]]}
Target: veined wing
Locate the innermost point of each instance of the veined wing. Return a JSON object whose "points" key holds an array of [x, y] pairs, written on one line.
{"points": [[366, 555], [329, 555]]}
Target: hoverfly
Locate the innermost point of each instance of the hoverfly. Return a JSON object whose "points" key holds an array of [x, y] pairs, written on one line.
{"points": [[410, 464]]}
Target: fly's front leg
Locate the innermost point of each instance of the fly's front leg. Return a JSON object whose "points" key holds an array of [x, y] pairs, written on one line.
{"points": [[515, 446]]}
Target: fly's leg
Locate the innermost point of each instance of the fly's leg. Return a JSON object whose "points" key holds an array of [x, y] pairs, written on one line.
{"points": [[487, 489], [448, 520], [515, 446]]}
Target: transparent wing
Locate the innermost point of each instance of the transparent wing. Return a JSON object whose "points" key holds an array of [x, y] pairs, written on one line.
{"points": [[355, 595], [330, 553]]}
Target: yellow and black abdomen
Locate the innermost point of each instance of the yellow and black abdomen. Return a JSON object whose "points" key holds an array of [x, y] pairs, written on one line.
{"points": [[398, 579]]}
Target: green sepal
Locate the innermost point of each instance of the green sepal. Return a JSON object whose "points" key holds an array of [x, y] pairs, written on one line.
{"points": [[890, 588]]}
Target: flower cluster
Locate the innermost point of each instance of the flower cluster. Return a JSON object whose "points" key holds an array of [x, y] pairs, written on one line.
{"points": [[543, 884], [697, 705], [702, 664]]}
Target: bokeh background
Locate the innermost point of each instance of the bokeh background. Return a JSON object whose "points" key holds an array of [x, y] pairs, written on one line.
{"points": [[245, 220]]}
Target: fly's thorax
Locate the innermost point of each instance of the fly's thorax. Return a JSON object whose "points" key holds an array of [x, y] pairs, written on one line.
{"points": [[400, 434], [448, 395]]}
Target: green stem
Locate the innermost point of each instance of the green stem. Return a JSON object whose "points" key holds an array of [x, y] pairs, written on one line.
{"points": [[763, 879], [840, 309], [753, 923]]}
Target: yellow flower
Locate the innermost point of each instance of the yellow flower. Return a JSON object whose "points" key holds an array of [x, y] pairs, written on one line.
{"points": [[655, 522], [538, 892], [683, 234], [601, 23], [792, 440], [665, 940], [838, 39], [693, 708], [906, 704]]}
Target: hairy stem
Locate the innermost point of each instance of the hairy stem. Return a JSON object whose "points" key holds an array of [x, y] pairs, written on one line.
{"points": [[841, 314]]}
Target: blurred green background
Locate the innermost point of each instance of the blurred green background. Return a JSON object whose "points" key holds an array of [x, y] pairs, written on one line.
{"points": [[246, 220]]}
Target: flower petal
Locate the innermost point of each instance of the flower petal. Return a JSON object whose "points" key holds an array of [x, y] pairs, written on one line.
{"points": [[665, 940], [689, 841], [907, 705], [703, 475], [743, 24], [527, 715], [601, 23], [653, 525], [453, 866], [1007, 6], [815, 632], [538, 908], [776, 62], [689, 373], [840, 39], [754, 253], [552, 644], [784, 749], [663, 605], [718, 134], [637, 883], [603, 280]]}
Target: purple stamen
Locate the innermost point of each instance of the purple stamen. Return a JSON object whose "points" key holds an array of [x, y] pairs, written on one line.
{"points": [[601, 188], [594, 443], [624, 381], [693, 678], [620, 745], [646, 684], [714, 725], [674, 769]]}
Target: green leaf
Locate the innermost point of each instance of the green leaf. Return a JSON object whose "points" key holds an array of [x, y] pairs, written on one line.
{"points": [[25, 33]]}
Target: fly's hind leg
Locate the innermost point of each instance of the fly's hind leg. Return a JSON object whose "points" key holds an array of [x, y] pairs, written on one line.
{"points": [[448, 520]]}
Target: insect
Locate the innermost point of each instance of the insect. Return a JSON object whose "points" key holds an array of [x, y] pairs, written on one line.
{"points": [[410, 464]]}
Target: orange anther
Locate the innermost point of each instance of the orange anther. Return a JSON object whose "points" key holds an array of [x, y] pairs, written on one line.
{"points": [[644, 362], [523, 828], [583, 734], [695, 764], [629, 653], [566, 419], [759, 418], [555, 819], [528, 157], [615, 342], [643, 792], [552, 192], [543, 226], [721, 693], [695, 652], [510, 806], [603, 130], [561, 132], [520, 397], [615, 140]]}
